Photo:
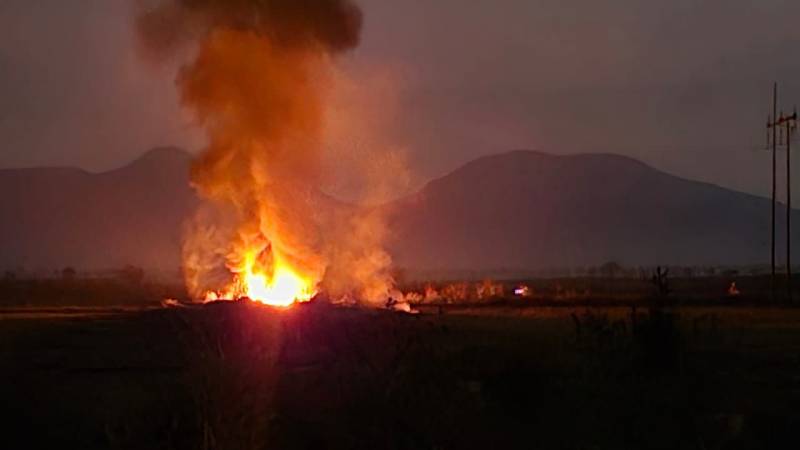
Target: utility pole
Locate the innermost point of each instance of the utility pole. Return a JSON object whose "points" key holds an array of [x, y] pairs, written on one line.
{"points": [[772, 123], [790, 125]]}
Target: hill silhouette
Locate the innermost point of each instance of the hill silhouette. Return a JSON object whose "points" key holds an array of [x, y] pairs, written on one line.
{"points": [[518, 210], [56, 217], [531, 210]]}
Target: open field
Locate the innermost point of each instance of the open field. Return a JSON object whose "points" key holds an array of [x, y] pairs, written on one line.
{"points": [[119, 291], [238, 376]]}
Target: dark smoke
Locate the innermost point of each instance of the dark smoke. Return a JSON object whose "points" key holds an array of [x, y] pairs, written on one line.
{"points": [[334, 25]]}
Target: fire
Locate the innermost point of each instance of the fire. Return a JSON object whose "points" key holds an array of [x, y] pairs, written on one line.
{"points": [[260, 77], [285, 288], [282, 287]]}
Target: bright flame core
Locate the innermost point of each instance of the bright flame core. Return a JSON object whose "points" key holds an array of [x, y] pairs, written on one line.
{"points": [[283, 287]]}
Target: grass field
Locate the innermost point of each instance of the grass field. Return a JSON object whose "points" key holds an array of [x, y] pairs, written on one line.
{"points": [[238, 376]]}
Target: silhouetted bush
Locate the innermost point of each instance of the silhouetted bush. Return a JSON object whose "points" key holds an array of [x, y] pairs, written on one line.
{"points": [[68, 273]]}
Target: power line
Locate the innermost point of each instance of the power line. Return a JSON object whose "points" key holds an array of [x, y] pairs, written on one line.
{"points": [[787, 125], [790, 124]]}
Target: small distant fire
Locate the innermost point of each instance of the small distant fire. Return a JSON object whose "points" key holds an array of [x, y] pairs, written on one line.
{"points": [[522, 291], [486, 290]]}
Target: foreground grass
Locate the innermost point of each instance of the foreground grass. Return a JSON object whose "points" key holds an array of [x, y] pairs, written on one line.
{"points": [[238, 376]]}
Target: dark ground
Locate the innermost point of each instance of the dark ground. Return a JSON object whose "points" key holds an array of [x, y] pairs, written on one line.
{"points": [[238, 376]]}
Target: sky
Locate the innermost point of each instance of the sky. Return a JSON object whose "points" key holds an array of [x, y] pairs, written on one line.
{"points": [[683, 85]]}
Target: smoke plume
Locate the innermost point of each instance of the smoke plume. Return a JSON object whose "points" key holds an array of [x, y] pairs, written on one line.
{"points": [[333, 25], [257, 81]]}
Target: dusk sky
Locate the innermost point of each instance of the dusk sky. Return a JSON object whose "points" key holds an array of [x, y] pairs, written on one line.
{"points": [[681, 85]]}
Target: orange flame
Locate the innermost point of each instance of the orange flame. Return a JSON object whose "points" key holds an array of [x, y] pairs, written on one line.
{"points": [[282, 287]]}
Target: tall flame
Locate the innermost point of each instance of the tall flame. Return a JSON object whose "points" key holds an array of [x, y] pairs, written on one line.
{"points": [[258, 78]]}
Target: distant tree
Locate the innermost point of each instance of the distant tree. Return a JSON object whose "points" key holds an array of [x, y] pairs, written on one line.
{"points": [[68, 273], [610, 269], [132, 274], [661, 281]]}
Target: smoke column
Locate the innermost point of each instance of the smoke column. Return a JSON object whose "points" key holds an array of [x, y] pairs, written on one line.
{"points": [[257, 81]]}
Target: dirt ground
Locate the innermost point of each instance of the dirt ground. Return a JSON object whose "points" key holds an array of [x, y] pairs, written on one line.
{"points": [[239, 376]]}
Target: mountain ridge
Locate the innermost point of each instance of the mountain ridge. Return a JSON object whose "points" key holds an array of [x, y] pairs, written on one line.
{"points": [[520, 209], [603, 207]]}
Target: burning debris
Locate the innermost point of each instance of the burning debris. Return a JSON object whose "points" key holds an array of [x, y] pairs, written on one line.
{"points": [[489, 289], [486, 290], [285, 287], [171, 303], [258, 81], [401, 305]]}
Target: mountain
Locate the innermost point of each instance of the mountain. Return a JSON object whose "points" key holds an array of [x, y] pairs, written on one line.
{"points": [[531, 210], [519, 210], [57, 217]]}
